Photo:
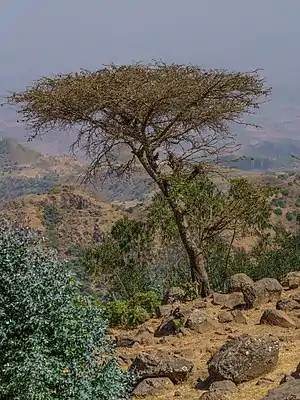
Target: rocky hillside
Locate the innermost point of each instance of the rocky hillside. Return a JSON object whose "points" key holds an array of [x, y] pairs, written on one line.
{"points": [[67, 215], [234, 346]]}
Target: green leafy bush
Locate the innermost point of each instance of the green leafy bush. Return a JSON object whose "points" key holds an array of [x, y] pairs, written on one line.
{"points": [[53, 341], [281, 203], [134, 312], [297, 203], [148, 300], [278, 211], [125, 314], [289, 216]]}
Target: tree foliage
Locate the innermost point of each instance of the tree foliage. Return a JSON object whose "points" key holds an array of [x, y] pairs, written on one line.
{"points": [[53, 341]]}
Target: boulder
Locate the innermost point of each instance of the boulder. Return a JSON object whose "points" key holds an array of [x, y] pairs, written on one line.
{"points": [[213, 396], [296, 297], [200, 322], [238, 281], [289, 390], [239, 317], [277, 318], [255, 295], [223, 386], [164, 310], [173, 295], [173, 323], [244, 358], [291, 280], [225, 317], [272, 287], [124, 341], [155, 365], [152, 387], [287, 305], [229, 300]]}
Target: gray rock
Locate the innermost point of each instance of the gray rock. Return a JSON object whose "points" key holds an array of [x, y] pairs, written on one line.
{"points": [[225, 317], [272, 287], [154, 365], [292, 280], [173, 295], [225, 386], [244, 358], [277, 318], [229, 300], [172, 324], [287, 305], [164, 310], [124, 341], [238, 281], [152, 387], [296, 297], [289, 390], [255, 295], [239, 317], [200, 322]]}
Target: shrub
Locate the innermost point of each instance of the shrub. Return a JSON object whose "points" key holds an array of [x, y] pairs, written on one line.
{"points": [[289, 216], [148, 300], [281, 203], [125, 314], [278, 211], [53, 341], [297, 203]]}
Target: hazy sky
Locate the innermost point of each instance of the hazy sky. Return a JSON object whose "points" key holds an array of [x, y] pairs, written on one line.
{"points": [[39, 37]]}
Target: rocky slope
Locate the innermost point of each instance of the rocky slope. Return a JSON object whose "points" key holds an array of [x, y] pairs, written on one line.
{"points": [[188, 357]]}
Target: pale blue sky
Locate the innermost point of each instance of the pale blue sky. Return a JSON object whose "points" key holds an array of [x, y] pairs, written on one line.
{"points": [[39, 37]]}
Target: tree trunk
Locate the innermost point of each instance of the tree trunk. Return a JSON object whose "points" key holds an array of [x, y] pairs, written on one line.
{"points": [[195, 253]]}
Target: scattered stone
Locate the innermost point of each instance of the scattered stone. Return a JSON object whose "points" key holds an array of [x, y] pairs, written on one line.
{"points": [[124, 341], [172, 324], [200, 322], [238, 281], [286, 378], [225, 386], [199, 304], [277, 318], [154, 365], [292, 280], [287, 305], [287, 391], [153, 387], [229, 300], [173, 295], [239, 317], [164, 310], [225, 317], [255, 295], [296, 297], [244, 358], [271, 286]]}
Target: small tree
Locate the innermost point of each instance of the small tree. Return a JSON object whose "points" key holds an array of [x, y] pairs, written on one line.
{"points": [[241, 209], [53, 342], [175, 121]]}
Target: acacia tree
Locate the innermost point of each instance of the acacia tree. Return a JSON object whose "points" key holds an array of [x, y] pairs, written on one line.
{"points": [[173, 119]]}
